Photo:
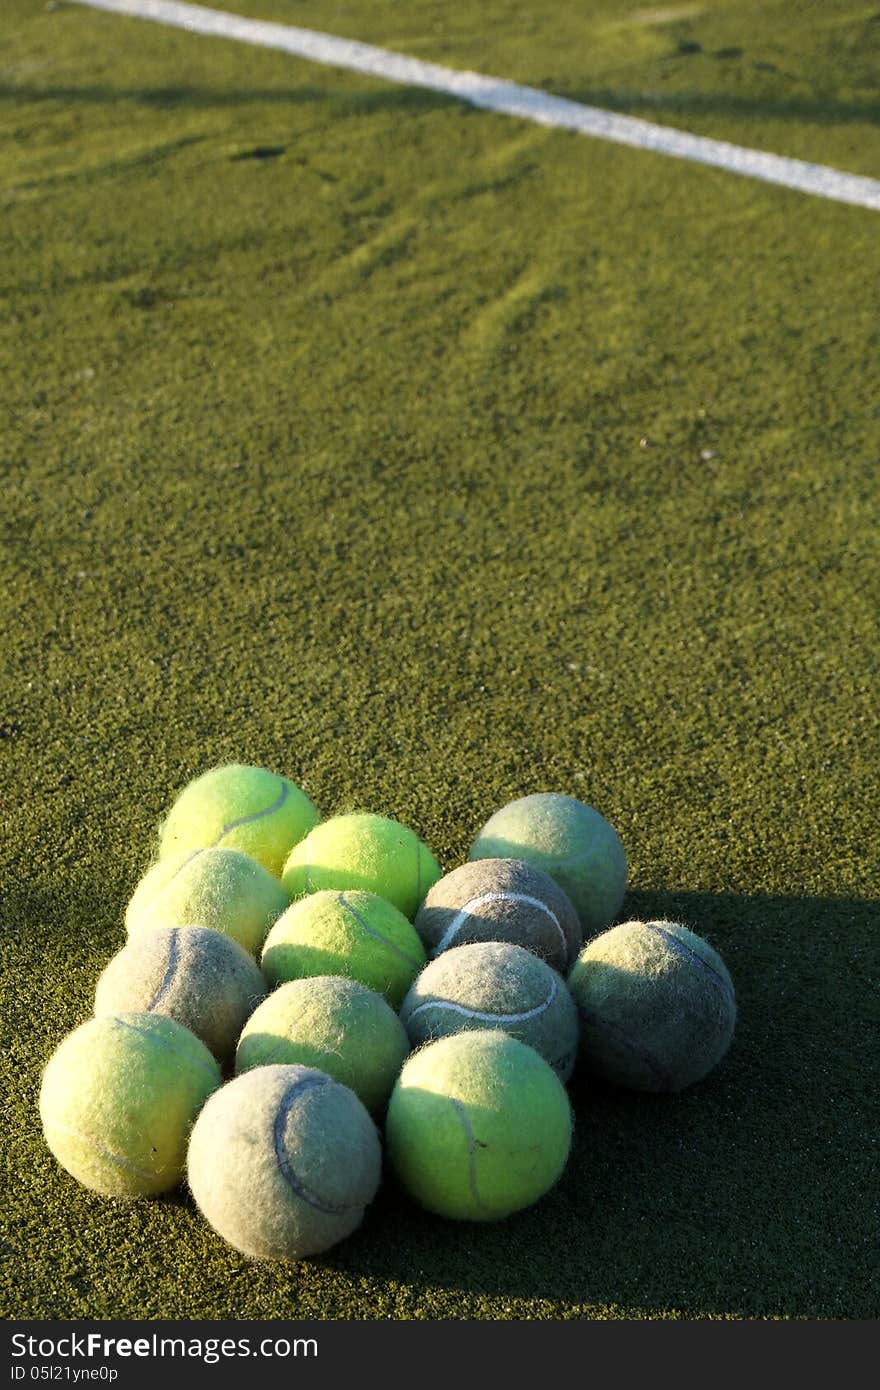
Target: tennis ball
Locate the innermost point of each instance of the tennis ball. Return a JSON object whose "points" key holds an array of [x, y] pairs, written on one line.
{"points": [[500, 900], [196, 976], [283, 1162], [239, 807], [478, 1126], [219, 888], [492, 984], [567, 840], [363, 851], [355, 934], [118, 1099], [656, 1004], [334, 1024]]}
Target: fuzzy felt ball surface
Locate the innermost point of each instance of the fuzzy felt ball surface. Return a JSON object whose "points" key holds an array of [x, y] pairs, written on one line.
{"points": [[479, 1126], [656, 1003], [568, 840], [118, 1099], [284, 1163]]}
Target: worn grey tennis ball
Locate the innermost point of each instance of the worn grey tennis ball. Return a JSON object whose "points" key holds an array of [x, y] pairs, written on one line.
{"points": [[656, 1003], [492, 984], [568, 840], [501, 900], [196, 976], [284, 1163]]}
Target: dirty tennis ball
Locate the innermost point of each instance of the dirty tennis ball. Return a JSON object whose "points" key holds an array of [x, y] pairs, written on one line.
{"points": [[198, 977], [239, 807], [283, 1162], [355, 934], [492, 984], [656, 1004], [500, 900], [118, 1100], [478, 1126], [361, 850], [332, 1023], [219, 888], [568, 840]]}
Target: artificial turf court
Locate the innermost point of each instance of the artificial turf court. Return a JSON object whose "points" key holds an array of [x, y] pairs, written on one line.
{"points": [[435, 458]]}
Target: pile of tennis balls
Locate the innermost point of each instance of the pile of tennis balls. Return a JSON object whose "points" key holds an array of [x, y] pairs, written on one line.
{"points": [[289, 983]]}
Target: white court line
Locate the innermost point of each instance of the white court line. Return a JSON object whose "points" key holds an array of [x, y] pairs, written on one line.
{"points": [[496, 94]]}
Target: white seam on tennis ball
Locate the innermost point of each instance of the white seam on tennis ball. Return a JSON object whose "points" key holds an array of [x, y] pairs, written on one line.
{"points": [[684, 950], [194, 854], [151, 904], [150, 1174], [296, 1184], [170, 971], [472, 1152], [377, 936], [162, 1042], [487, 1017], [255, 815], [495, 896]]}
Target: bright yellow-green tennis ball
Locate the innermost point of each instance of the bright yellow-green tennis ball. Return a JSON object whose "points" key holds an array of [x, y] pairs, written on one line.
{"points": [[479, 1126], [361, 850], [283, 1162], [337, 1025], [493, 984], [656, 1004], [355, 934], [196, 976], [240, 807], [119, 1098], [568, 840], [218, 888]]}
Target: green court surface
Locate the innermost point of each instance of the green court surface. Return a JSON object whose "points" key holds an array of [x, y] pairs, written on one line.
{"points": [[434, 458]]}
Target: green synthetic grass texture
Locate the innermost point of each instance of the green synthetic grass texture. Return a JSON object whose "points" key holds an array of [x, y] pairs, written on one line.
{"points": [[433, 459]]}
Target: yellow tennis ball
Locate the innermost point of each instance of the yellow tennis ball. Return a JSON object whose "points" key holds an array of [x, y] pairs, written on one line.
{"points": [[332, 1023], [118, 1100], [568, 840], [218, 888], [479, 1126], [355, 934], [240, 807], [363, 851], [283, 1162]]}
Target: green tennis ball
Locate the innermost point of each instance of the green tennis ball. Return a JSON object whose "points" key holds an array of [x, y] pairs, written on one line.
{"points": [[218, 888], [478, 1126], [238, 807], [367, 852], [656, 1003], [119, 1098], [334, 1024], [500, 900], [355, 934], [567, 840], [492, 984], [198, 977], [283, 1162]]}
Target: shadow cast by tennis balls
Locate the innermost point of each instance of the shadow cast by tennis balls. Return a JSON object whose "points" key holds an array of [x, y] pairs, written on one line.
{"points": [[740, 1195]]}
